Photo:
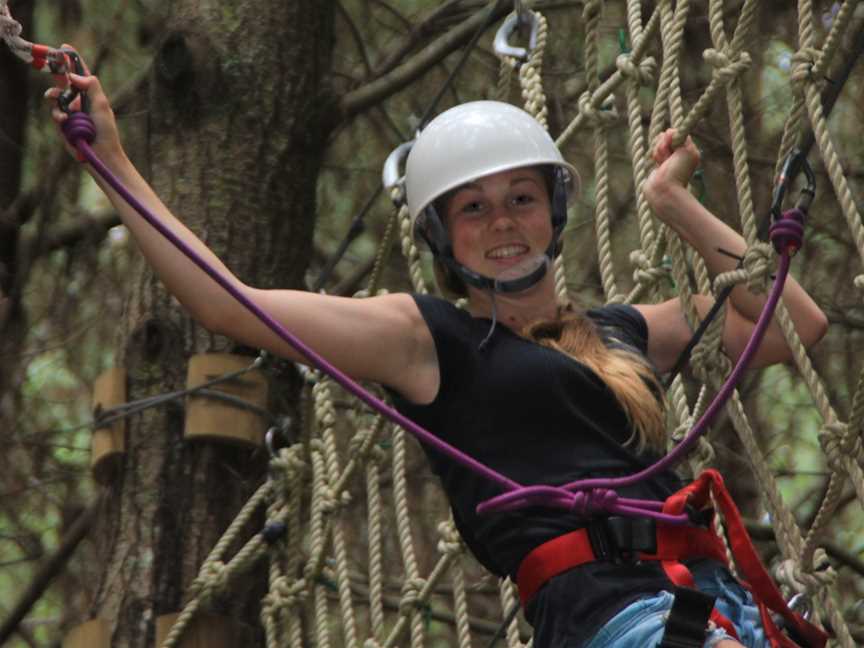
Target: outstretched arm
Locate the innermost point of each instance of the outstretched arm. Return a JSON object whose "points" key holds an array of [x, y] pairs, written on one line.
{"points": [[667, 193], [383, 339]]}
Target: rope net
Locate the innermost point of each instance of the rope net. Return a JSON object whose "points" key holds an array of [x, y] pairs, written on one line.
{"points": [[344, 583]]}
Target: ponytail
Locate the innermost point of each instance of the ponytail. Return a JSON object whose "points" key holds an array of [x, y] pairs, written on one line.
{"points": [[627, 374]]}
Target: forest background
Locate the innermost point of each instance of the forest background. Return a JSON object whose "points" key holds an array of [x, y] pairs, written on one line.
{"points": [[265, 125]]}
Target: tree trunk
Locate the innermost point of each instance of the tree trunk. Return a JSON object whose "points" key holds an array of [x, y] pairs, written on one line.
{"points": [[233, 143], [13, 107]]}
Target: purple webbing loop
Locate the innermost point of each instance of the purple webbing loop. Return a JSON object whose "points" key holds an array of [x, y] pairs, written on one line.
{"points": [[77, 127], [787, 232]]}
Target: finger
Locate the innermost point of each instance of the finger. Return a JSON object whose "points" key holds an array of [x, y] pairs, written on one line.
{"points": [[84, 83]]}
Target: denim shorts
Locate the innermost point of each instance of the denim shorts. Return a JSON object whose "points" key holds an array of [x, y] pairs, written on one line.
{"points": [[641, 624]]}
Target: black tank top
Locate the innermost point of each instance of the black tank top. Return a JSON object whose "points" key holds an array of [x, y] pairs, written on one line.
{"points": [[539, 417]]}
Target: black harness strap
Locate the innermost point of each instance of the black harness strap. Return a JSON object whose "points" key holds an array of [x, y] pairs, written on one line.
{"points": [[688, 619]]}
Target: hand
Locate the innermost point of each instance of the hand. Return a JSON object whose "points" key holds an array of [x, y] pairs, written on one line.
{"points": [[674, 168], [107, 143]]}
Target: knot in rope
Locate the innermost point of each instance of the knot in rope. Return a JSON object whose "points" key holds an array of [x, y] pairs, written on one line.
{"points": [[756, 269], [602, 117], [331, 502], [803, 62], [290, 462], [703, 455], [597, 500], [727, 66], [646, 273], [410, 601], [450, 542], [800, 580], [285, 594], [838, 444], [682, 429], [79, 126], [758, 262], [709, 363], [644, 72]]}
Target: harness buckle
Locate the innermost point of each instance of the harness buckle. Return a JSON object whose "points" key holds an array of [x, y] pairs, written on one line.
{"points": [[621, 539]]}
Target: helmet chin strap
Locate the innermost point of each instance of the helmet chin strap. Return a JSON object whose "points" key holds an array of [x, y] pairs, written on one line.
{"points": [[505, 286]]}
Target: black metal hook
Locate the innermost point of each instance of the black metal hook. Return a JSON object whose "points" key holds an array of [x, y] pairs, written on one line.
{"points": [[795, 163], [68, 96]]}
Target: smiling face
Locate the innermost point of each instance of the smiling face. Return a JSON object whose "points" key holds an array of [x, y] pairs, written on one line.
{"points": [[500, 221]]}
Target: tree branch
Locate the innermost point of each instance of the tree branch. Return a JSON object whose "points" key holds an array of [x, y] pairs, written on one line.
{"points": [[400, 77], [50, 570], [91, 227]]}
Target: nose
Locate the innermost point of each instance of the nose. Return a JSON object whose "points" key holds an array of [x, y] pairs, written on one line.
{"points": [[502, 219]]}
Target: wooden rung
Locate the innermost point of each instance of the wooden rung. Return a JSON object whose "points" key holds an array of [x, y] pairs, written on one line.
{"points": [[208, 418], [204, 631], [96, 633], [108, 442]]}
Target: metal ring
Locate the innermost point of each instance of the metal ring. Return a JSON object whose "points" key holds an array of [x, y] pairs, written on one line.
{"points": [[800, 603], [391, 174], [511, 23]]}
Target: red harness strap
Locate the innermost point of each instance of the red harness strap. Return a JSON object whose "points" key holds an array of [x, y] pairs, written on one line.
{"points": [[574, 549], [674, 544], [759, 582]]}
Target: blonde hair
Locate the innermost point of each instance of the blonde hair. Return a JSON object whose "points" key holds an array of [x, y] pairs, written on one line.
{"points": [[626, 373]]}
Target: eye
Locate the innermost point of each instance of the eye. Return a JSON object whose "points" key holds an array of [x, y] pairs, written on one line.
{"points": [[524, 199], [471, 207]]}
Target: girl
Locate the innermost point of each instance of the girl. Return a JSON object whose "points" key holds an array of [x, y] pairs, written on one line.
{"points": [[540, 391]]}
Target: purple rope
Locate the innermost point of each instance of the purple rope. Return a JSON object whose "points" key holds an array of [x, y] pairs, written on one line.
{"points": [[593, 496], [81, 132]]}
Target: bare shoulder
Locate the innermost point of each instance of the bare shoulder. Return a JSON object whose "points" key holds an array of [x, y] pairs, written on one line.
{"points": [[389, 342], [383, 339]]}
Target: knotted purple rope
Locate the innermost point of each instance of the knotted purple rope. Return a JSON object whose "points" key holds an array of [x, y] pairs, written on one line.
{"points": [[590, 496], [79, 127]]}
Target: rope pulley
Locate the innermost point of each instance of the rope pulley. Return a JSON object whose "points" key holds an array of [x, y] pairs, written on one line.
{"points": [[519, 18]]}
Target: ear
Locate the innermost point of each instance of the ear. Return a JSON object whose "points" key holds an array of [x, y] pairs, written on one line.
{"points": [[434, 233]]}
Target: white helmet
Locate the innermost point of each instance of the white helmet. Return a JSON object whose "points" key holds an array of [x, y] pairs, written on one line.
{"points": [[473, 140]]}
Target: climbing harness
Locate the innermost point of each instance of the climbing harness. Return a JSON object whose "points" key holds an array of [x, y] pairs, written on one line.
{"points": [[631, 541]]}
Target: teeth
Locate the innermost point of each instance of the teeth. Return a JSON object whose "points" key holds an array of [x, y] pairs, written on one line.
{"points": [[506, 251]]}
